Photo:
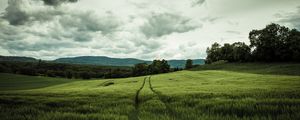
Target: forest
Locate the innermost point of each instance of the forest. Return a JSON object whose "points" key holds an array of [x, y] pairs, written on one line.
{"points": [[274, 43], [79, 71]]}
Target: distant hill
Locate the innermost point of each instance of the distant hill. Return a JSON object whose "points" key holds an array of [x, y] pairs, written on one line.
{"points": [[181, 63], [100, 60], [17, 58], [103, 60]]}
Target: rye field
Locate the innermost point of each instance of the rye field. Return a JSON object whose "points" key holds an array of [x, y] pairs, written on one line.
{"points": [[249, 91]]}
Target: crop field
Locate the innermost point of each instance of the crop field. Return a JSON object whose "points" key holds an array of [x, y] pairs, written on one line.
{"points": [[229, 91]]}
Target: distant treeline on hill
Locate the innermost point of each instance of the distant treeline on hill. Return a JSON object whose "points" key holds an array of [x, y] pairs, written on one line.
{"points": [[42, 68], [101, 60], [274, 43], [49, 69]]}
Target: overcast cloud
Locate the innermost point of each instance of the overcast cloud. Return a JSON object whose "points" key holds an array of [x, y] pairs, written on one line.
{"points": [[145, 29]]}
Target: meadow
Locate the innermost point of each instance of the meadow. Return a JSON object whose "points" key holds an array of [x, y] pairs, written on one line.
{"points": [[223, 91]]}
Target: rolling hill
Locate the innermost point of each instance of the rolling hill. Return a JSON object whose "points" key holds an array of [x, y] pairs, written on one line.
{"points": [[103, 60], [250, 91], [17, 58]]}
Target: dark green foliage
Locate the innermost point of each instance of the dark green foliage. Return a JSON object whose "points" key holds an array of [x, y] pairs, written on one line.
{"points": [[236, 52], [140, 69], [156, 67], [241, 52], [165, 67], [85, 75], [274, 43], [28, 71], [100, 60], [119, 73], [68, 74], [213, 53], [189, 64], [159, 66], [42, 68]]}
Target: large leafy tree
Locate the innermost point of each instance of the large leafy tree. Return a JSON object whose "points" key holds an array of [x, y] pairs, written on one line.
{"points": [[274, 43], [140, 69], [270, 43], [241, 52], [236, 52], [189, 64], [213, 53], [293, 46]]}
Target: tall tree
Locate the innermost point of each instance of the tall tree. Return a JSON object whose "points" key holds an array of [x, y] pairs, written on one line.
{"points": [[140, 69], [241, 52], [189, 64], [165, 67], [269, 44], [293, 44], [213, 53]]}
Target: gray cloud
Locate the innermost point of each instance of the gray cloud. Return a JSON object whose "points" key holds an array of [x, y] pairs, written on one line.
{"points": [[159, 25], [15, 12], [292, 19], [58, 2], [75, 25], [32, 27], [90, 22], [18, 13], [148, 29], [198, 2], [15, 46]]}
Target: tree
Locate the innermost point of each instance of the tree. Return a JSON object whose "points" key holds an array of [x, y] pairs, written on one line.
{"points": [[213, 53], [293, 43], [236, 52], [227, 52], [159, 66], [189, 64], [274, 43], [69, 74], [154, 67], [241, 52], [269, 44], [165, 67], [85, 75], [140, 69]]}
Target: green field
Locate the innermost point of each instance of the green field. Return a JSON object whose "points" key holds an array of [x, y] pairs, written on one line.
{"points": [[226, 91]]}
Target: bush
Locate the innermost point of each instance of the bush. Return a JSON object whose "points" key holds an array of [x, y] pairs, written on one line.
{"points": [[219, 62]]}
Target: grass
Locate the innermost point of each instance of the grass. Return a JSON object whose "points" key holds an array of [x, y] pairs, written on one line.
{"points": [[227, 91]]}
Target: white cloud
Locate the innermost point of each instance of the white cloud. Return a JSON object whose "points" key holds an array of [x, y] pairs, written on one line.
{"points": [[133, 28]]}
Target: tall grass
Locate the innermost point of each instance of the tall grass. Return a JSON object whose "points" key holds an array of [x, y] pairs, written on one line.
{"points": [[228, 91]]}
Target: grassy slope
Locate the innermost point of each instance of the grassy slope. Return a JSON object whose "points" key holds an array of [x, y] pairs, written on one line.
{"points": [[21, 82], [229, 91]]}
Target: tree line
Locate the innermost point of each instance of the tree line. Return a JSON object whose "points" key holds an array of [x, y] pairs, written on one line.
{"points": [[274, 43], [42, 68], [49, 69], [156, 67]]}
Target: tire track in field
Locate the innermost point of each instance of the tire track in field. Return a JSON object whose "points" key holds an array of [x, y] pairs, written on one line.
{"points": [[134, 114], [173, 114], [137, 101]]}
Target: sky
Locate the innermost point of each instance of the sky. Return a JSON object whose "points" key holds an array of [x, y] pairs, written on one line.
{"points": [[143, 29]]}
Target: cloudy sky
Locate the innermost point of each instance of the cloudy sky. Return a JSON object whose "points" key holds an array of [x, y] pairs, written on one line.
{"points": [[144, 29]]}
